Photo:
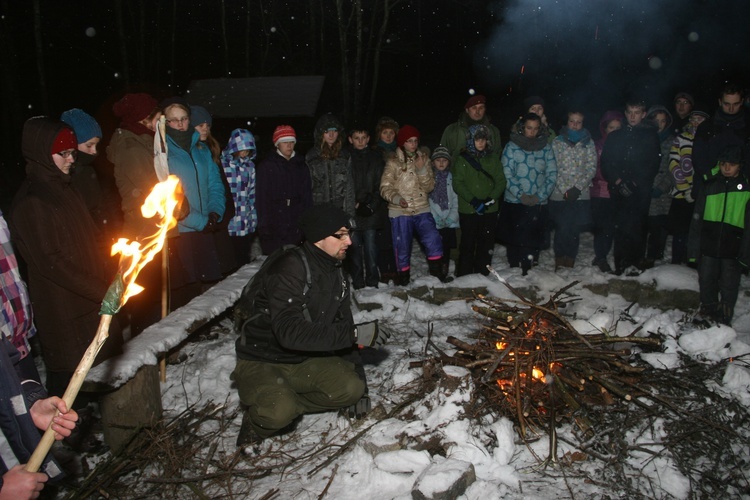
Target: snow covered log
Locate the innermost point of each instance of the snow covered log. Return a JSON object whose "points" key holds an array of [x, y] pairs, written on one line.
{"points": [[159, 338]]}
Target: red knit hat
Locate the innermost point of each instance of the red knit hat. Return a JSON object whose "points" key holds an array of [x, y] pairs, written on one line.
{"points": [[405, 133], [284, 133], [64, 140], [133, 108], [474, 100]]}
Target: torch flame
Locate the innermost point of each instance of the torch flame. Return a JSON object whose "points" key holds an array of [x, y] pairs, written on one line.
{"points": [[135, 255]]}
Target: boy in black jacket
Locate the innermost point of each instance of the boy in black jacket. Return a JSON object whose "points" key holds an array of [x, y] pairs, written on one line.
{"points": [[720, 236]]}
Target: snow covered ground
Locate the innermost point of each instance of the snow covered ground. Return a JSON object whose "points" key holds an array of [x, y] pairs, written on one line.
{"points": [[383, 464]]}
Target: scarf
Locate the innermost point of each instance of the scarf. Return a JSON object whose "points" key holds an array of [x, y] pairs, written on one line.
{"points": [[439, 194], [523, 142], [84, 159], [388, 146], [183, 139]]}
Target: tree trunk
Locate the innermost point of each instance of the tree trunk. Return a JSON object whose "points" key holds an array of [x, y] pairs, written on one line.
{"points": [[247, 38], [123, 43], [40, 57], [346, 93], [224, 37], [387, 6], [358, 61], [172, 46]]}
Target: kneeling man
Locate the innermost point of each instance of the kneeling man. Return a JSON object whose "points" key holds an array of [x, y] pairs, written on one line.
{"points": [[292, 349]]}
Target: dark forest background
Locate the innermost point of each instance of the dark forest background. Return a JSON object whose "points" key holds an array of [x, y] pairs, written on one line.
{"points": [[415, 60]]}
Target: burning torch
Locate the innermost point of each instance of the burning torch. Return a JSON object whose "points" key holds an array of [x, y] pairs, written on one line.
{"points": [[134, 256]]}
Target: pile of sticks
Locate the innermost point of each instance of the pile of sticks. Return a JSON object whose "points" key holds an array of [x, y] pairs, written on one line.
{"points": [[535, 368]]}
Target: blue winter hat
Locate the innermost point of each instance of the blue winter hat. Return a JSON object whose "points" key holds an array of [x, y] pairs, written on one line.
{"points": [[199, 115], [83, 124]]}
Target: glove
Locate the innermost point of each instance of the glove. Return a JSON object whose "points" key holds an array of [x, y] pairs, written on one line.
{"points": [[688, 194], [360, 408], [572, 194], [626, 188], [478, 206], [529, 200], [363, 210], [369, 335], [488, 202], [213, 219], [656, 192]]}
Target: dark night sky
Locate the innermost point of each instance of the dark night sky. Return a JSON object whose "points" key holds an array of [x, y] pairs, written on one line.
{"points": [[587, 53]]}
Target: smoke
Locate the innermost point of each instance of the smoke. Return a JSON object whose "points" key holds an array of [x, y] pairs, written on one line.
{"points": [[596, 54]]}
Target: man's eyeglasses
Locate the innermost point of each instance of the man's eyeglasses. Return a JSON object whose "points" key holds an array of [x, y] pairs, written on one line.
{"points": [[67, 154], [179, 120], [341, 236]]}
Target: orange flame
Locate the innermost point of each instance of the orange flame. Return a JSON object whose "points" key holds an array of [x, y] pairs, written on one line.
{"points": [[135, 255], [537, 373], [501, 345]]}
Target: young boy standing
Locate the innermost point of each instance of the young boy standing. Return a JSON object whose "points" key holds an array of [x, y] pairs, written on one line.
{"points": [[367, 168], [720, 236]]}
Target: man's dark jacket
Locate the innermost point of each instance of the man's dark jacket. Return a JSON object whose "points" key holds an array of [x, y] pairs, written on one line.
{"points": [[285, 335], [632, 154]]}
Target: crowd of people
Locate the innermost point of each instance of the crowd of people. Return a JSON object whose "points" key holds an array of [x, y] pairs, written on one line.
{"points": [[651, 173]]}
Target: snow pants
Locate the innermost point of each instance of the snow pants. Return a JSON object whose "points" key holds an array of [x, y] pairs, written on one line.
{"points": [[403, 229]]}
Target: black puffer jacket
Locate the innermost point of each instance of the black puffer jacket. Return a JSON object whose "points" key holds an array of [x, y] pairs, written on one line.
{"points": [[286, 336]]}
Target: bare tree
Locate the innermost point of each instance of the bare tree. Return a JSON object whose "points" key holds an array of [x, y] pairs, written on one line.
{"points": [[124, 65], [223, 12], [40, 57]]}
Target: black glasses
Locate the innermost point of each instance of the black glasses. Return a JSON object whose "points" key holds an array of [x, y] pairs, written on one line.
{"points": [[179, 120], [341, 236], [67, 154]]}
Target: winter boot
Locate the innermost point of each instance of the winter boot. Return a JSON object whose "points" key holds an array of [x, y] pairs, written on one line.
{"points": [[438, 270], [403, 278], [247, 437], [446, 263]]}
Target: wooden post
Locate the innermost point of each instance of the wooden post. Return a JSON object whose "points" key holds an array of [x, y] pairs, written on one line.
{"points": [[164, 301]]}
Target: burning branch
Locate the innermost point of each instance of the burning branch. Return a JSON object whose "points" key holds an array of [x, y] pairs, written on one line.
{"points": [[133, 257]]}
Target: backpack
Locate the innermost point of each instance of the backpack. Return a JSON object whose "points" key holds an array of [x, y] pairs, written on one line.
{"points": [[246, 310]]}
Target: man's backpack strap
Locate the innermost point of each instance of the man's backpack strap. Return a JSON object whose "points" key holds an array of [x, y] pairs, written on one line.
{"points": [[247, 310]]}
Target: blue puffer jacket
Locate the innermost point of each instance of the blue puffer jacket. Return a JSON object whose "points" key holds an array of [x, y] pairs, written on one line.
{"points": [[240, 174], [200, 180]]}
